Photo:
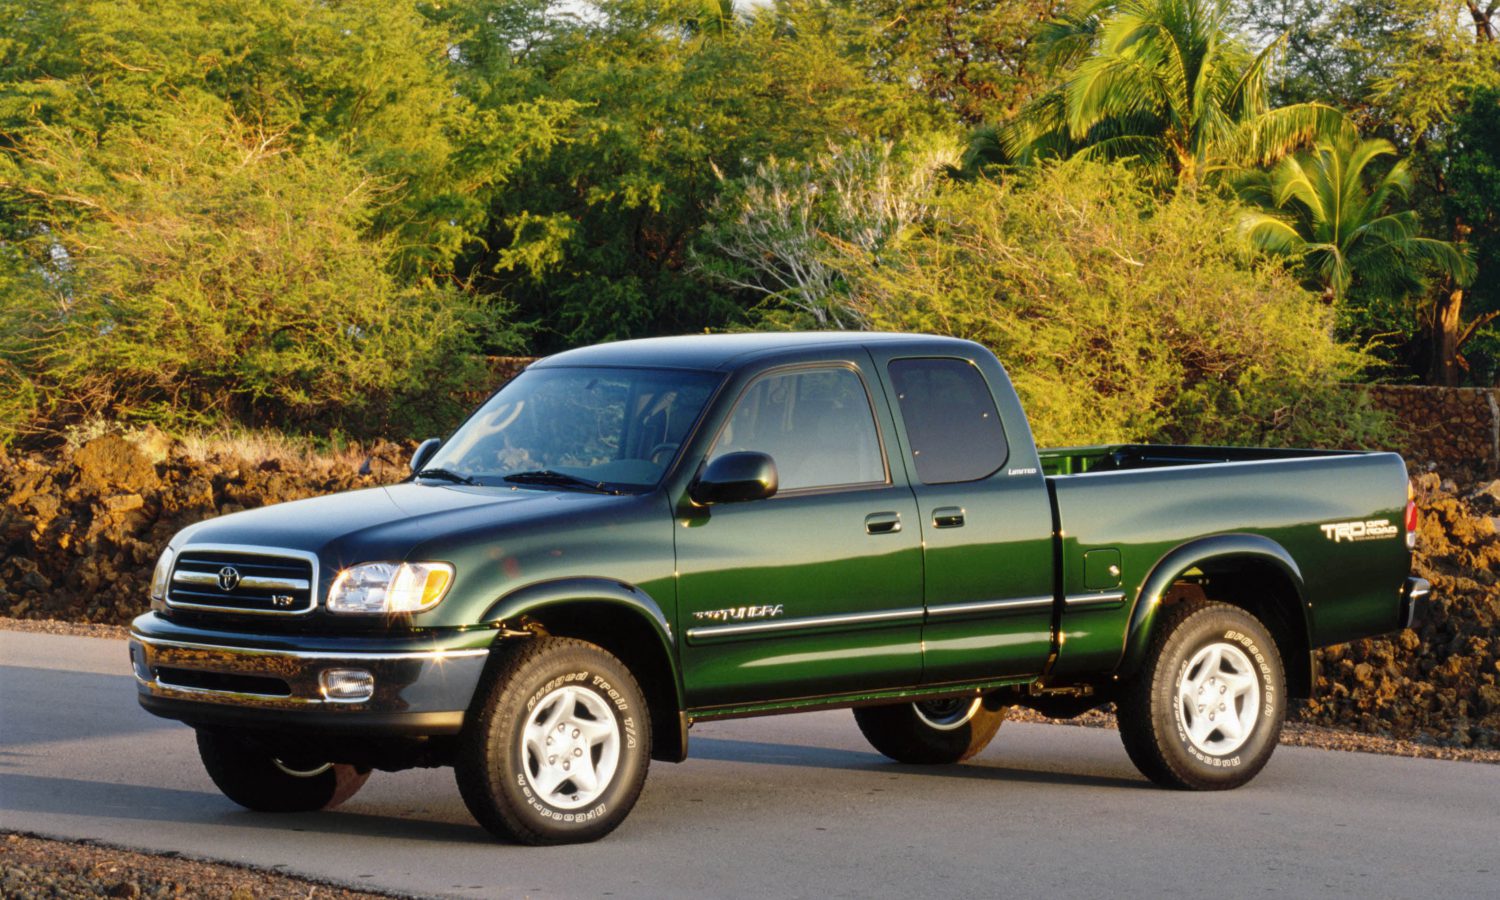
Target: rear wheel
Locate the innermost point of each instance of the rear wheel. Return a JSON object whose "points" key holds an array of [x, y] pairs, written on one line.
{"points": [[256, 777], [1205, 712], [931, 732]]}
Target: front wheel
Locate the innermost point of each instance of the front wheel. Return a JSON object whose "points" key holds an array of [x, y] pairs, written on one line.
{"points": [[931, 732], [257, 778], [557, 747], [1205, 712]]}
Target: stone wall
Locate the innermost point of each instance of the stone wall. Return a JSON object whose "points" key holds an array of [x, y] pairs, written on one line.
{"points": [[1456, 430]]}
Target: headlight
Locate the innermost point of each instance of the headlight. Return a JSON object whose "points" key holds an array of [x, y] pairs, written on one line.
{"points": [[159, 578], [384, 588]]}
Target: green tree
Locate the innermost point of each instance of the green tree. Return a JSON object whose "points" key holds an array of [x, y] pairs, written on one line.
{"points": [[591, 240], [971, 58], [297, 176], [1334, 211], [372, 80], [1472, 208], [1164, 82]]}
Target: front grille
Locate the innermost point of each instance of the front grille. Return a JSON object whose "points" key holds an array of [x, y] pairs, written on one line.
{"points": [[243, 581]]}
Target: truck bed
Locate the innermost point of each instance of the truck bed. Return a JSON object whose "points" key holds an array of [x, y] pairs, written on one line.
{"points": [[1137, 505]]}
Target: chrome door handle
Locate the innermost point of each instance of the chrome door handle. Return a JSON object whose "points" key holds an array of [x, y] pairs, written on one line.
{"points": [[948, 517], [883, 523]]}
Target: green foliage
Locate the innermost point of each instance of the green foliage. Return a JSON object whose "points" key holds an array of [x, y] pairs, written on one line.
{"points": [[1472, 205], [973, 59], [1408, 71], [1121, 316], [1332, 212], [214, 274], [1165, 83], [592, 239], [773, 230]]}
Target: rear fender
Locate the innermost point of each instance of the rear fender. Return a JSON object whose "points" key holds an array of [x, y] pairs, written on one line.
{"points": [[1209, 553]]}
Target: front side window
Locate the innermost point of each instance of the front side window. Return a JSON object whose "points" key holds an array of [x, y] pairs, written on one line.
{"points": [[618, 429], [815, 423], [951, 422]]}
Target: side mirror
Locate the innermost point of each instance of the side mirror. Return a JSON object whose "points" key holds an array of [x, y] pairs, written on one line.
{"points": [[423, 453], [736, 477]]}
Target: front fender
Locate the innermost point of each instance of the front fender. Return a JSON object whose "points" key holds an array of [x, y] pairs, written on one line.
{"points": [[536, 600], [1196, 554]]}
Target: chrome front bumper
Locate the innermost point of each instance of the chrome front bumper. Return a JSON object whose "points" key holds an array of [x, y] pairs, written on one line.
{"points": [[418, 691]]}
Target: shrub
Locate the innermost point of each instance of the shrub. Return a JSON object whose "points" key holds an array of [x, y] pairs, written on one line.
{"points": [[192, 270], [1119, 315]]}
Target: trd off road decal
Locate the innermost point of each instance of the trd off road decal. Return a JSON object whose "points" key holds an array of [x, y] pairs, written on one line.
{"points": [[1367, 530]]}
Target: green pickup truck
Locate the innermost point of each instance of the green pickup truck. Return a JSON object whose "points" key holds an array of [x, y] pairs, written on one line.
{"points": [[630, 538]]}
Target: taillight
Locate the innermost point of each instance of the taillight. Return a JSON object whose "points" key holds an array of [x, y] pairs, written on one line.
{"points": [[1411, 518]]}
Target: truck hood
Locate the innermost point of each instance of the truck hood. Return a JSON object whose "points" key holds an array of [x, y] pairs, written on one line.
{"points": [[392, 523]]}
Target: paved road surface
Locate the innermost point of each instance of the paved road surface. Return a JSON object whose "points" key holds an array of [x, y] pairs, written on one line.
{"points": [[796, 806]]}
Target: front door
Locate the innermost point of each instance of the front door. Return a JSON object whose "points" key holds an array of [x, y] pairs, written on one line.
{"points": [[816, 591]]}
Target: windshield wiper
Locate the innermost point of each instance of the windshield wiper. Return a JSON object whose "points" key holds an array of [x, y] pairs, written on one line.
{"points": [[446, 475], [561, 479]]}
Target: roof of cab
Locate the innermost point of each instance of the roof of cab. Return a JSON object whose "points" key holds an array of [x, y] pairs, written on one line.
{"points": [[722, 352]]}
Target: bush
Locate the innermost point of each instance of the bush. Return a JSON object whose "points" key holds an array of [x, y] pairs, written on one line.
{"points": [[1120, 316], [194, 271]]}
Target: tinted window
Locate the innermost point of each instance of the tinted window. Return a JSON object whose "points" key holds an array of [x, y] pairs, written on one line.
{"points": [[816, 424], [951, 422]]}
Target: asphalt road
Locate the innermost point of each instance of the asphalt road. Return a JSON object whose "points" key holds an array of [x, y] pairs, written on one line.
{"points": [[795, 806]]}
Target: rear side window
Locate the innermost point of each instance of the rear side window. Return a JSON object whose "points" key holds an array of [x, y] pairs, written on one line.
{"points": [[951, 422], [816, 424]]}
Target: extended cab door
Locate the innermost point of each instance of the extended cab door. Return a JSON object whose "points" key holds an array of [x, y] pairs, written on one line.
{"points": [[817, 590], [984, 513]]}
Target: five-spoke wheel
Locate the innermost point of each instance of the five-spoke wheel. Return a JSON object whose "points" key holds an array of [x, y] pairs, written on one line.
{"points": [[1218, 697], [556, 746], [1205, 711], [572, 748]]}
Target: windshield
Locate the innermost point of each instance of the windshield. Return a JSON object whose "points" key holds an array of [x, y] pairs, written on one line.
{"points": [[577, 428]]}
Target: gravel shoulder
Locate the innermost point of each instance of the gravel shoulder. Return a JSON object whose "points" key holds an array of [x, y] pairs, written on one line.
{"points": [[32, 868]]}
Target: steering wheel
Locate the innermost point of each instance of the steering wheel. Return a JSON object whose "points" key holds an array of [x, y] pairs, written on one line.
{"points": [[661, 448]]}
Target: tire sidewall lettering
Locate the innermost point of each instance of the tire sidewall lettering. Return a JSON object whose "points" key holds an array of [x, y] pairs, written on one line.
{"points": [[1264, 675], [620, 704]]}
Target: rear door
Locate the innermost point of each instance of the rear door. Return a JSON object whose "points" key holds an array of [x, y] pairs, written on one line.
{"points": [[818, 590], [985, 518]]}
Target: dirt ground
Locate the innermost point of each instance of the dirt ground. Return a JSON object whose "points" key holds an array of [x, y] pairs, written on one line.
{"points": [[33, 868]]}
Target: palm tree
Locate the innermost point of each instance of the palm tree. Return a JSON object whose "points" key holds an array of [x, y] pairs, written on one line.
{"points": [[1331, 211], [1164, 82]]}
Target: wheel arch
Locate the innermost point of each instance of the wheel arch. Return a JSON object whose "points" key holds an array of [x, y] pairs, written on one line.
{"points": [[1249, 571], [622, 619]]}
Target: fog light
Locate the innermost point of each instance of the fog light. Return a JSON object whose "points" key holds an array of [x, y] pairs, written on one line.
{"points": [[347, 685]]}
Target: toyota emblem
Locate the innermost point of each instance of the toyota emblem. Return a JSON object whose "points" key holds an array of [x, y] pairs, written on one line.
{"points": [[229, 578]]}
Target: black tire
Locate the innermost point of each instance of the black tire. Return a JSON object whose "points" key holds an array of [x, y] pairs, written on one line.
{"points": [[252, 776], [501, 775], [1171, 736], [931, 733]]}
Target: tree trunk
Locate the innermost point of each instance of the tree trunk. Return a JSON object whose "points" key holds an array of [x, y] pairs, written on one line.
{"points": [[1445, 338]]}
